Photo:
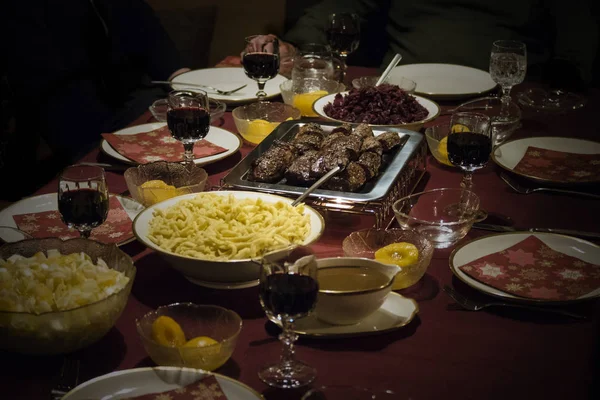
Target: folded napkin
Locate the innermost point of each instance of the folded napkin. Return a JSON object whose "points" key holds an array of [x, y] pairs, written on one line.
{"points": [[115, 229], [533, 270], [207, 388], [157, 145], [559, 166]]}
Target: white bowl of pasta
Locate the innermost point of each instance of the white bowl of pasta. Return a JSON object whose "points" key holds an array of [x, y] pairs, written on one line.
{"points": [[212, 238]]}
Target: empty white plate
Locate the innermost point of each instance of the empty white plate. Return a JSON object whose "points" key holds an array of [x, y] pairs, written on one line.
{"points": [[444, 81]]}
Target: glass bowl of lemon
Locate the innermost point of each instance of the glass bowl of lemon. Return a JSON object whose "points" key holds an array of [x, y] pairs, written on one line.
{"points": [[190, 335], [302, 93], [437, 140], [160, 180], [406, 248], [255, 121]]}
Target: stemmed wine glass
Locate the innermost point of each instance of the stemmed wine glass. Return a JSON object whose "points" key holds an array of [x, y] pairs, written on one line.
{"points": [[260, 59], [188, 118], [83, 197], [508, 66], [343, 35], [469, 143], [288, 291]]}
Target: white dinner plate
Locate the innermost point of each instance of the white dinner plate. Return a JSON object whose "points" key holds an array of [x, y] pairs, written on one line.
{"points": [[218, 136], [483, 246], [140, 381], [432, 107], [395, 312], [228, 79], [49, 202], [234, 274], [508, 154], [445, 81]]}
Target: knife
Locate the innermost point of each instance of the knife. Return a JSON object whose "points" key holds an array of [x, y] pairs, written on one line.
{"points": [[568, 232]]}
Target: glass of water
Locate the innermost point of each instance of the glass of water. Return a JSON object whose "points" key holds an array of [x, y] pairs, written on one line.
{"points": [[508, 65], [312, 61]]}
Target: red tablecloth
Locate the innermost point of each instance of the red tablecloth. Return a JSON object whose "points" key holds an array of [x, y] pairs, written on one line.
{"points": [[445, 353]]}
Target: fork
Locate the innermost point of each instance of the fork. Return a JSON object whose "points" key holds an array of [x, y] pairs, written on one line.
{"points": [[473, 305], [517, 187], [68, 379], [218, 91]]}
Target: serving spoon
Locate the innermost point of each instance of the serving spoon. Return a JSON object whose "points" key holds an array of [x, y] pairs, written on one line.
{"points": [[389, 68]]}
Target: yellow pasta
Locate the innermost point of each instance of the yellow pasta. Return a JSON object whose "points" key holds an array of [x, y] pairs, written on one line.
{"points": [[217, 227]]}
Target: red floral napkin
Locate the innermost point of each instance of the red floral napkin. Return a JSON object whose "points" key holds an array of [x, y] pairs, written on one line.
{"points": [[207, 388], [531, 269], [157, 145], [115, 229], [559, 166]]}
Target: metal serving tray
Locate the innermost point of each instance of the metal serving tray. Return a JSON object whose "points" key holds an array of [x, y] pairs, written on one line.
{"points": [[375, 189]]}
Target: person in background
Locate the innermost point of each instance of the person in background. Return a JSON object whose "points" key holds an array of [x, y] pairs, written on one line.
{"points": [[561, 37], [70, 72]]}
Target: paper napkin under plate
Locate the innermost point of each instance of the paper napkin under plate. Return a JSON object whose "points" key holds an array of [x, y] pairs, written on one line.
{"points": [[115, 229], [559, 166], [157, 145], [207, 388], [531, 269]]}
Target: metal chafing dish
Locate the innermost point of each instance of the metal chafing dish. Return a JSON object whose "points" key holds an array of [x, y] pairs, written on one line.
{"points": [[400, 173]]}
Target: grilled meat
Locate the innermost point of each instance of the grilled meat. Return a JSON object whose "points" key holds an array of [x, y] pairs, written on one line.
{"points": [[308, 141], [331, 137], [371, 161], [352, 143], [327, 160], [349, 180], [299, 172], [346, 128], [371, 144], [271, 165], [389, 140], [311, 127], [363, 130]]}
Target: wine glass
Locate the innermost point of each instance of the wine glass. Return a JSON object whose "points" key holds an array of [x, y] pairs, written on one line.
{"points": [[188, 118], [469, 143], [343, 35], [288, 291], [260, 59], [508, 66], [83, 197]]}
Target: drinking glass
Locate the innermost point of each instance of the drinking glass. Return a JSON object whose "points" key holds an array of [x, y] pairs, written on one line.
{"points": [[469, 143], [188, 118], [508, 66], [312, 61], [288, 291], [83, 197], [260, 59], [343, 35]]}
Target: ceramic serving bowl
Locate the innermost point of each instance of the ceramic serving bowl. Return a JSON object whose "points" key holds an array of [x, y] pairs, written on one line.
{"points": [[366, 242], [228, 274], [190, 335], [255, 121], [58, 332], [160, 180], [351, 288], [433, 111]]}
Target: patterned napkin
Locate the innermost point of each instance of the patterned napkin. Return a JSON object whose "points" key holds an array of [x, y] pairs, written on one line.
{"points": [[157, 145], [115, 229], [206, 388], [559, 166], [533, 270]]}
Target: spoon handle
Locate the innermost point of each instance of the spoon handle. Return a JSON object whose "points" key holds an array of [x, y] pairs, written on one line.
{"points": [[316, 185], [389, 68]]}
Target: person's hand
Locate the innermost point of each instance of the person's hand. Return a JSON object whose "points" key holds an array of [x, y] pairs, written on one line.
{"points": [[286, 51]]}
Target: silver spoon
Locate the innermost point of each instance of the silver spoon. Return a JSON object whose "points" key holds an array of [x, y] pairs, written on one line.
{"points": [[317, 184]]}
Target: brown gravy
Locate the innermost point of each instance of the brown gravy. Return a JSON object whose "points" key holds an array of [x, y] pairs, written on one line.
{"points": [[350, 279]]}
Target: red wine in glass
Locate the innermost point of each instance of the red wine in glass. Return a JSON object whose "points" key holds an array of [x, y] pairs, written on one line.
{"points": [[188, 119], [261, 65], [83, 198], [188, 124], [343, 36], [288, 290], [288, 295], [343, 42], [469, 150], [260, 60]]}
